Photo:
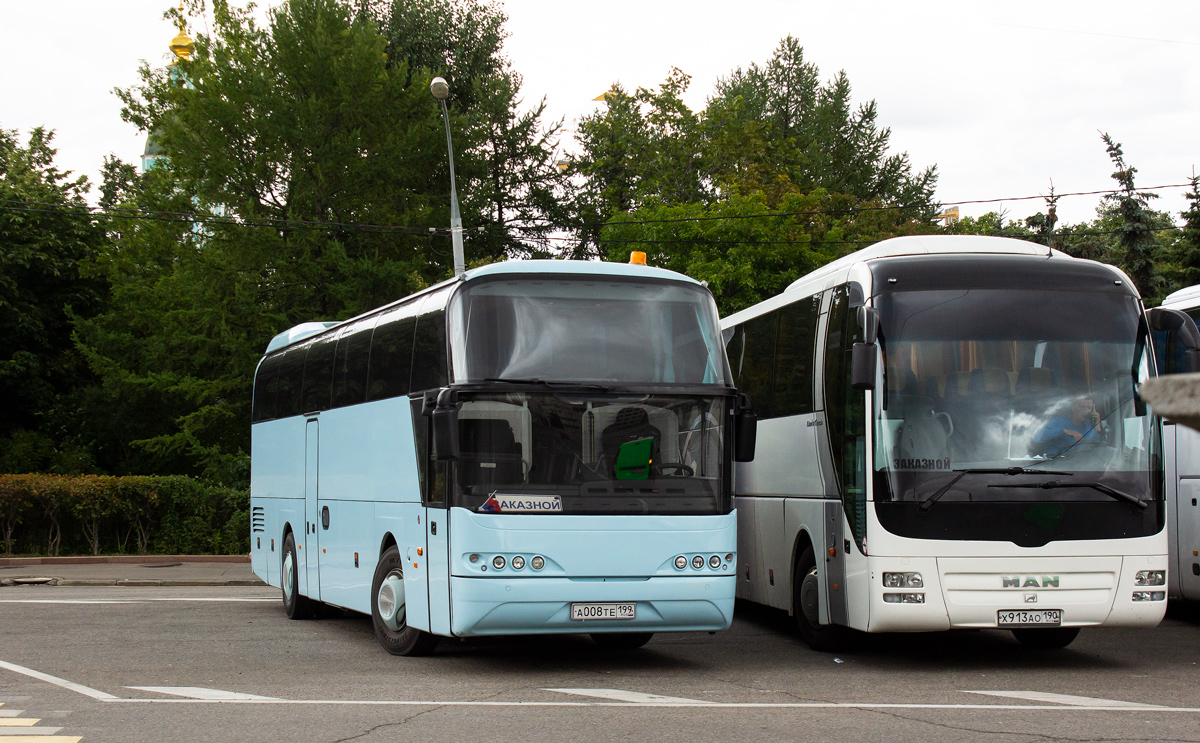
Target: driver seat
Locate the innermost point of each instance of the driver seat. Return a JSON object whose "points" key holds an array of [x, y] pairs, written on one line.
{"points": [[630, 424]]}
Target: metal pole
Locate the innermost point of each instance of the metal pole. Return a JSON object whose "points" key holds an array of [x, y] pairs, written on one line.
{"points": [[460, 264]]}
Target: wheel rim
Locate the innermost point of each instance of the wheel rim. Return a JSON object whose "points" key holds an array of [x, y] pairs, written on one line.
{"points": [[289, 574], [809, 595], [389, 602]]}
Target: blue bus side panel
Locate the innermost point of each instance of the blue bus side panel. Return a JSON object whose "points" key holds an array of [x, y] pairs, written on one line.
{"points": [[277, 486], [437, 544], [406, 522], [590, 559], [368, 466]]}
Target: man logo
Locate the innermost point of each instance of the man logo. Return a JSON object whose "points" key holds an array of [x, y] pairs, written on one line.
{"points": [[1029, 581]]}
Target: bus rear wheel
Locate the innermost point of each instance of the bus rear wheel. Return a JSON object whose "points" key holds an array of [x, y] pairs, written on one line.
{"points": [[388, 610], [806, 602], [294, 605], [1049, 638], [621, 640]]}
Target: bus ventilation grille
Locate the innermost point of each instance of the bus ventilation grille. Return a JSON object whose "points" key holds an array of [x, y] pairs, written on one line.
{"points": [[258, 520]]}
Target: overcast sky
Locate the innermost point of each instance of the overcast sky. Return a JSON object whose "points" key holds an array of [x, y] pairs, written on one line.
{"points": [[1001, 97]]}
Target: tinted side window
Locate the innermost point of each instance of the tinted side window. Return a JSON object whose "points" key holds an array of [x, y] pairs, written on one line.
{"points": [[429, 352], [758, 362], [265, 384], [318, 375], [350, 364], [794, 357], [845, 410], [391, 358], [291, 380]]}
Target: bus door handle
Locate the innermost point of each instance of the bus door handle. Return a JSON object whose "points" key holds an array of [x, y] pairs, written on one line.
{"points": [[324, 517], [433, 528]]}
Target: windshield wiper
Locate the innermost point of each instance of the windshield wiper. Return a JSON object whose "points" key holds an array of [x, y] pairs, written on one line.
{"points": [[928, 502], [549, 384], [1097, 486]]}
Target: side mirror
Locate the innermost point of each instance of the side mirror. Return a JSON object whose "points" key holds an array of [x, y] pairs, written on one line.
{"points": [[745, 430], [445, 426], [862, 366], [868, 320], [1174, 321]]}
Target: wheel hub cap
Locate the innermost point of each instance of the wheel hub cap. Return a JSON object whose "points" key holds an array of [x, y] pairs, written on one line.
{"points": [[809, 592], [390, 602], [289, 571]]}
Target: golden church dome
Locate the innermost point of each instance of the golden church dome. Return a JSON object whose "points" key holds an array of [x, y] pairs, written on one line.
{"points": [[182, 44]]}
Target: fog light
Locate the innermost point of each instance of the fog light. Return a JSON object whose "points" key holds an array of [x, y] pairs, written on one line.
{"points": [[1150, 578], [537, 563], [904, 598], [697, 562], [498, 562], [728, 557], [903, 580], [714, 562], [1149, 595], [681, 562], [474, 558], [518, 562]]}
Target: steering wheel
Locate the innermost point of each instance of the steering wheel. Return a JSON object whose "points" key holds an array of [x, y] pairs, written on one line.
{"points": [[685, 469]]}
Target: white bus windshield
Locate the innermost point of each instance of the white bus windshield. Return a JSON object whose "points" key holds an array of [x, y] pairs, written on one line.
{"points": [[999, 386], [567, 329]]}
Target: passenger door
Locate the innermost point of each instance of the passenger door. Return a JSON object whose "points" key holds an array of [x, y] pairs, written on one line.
{"points": [[311, 517]]}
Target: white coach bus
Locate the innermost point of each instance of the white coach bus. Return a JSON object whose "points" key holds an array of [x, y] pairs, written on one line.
{"points": [[1182, 463], [950, 436]]}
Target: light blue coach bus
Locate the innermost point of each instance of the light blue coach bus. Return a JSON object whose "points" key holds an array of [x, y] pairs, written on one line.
{"points": [[533, 447]]}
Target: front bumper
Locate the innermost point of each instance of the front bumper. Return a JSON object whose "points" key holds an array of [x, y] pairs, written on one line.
{"points": [[504, 606]]}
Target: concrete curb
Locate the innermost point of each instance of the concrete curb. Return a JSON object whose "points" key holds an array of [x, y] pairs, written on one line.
{"points": [[124, 582], [120, 559]]}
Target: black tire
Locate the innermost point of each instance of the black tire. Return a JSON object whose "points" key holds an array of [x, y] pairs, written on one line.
{"points": [[806, 595], [402, 640], [1050, 638], [294, 605], [621, 640]]}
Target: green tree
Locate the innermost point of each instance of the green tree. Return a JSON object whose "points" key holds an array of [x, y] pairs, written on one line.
{"points": [[1137, 245], [1188, 247], [46, 231]]}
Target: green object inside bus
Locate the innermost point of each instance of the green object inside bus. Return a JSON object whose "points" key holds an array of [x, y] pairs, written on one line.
{"points": [[633, 459]]}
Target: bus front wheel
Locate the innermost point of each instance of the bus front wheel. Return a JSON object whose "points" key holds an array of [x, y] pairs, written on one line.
{"points": [[388, 610], [294, 605], [1049, 638], [806, 601]]}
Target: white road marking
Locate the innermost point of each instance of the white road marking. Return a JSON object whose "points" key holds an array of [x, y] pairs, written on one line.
{"points": [[71, 685], [11, 712], [46, 739], [1067, 699], [198, 692], [19, 722], [1100, 705], [26, 733], [621, 695]]}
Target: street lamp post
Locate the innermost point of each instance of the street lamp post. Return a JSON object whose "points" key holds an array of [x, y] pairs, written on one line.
{"points": [[440, 89]]}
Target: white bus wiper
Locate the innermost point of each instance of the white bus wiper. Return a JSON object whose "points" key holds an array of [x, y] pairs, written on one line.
{"points": [[928, 502], [551, 385], [1097, 486]]}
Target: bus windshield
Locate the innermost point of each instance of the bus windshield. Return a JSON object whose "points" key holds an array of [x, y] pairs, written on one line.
{"points": [[590, 330], [593, 453], [1012, 396]]}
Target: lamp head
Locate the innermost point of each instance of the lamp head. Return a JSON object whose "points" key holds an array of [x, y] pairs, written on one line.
{"points": [[439, 87]]}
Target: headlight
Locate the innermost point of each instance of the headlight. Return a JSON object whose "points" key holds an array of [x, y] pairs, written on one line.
{"points": [[714, 562], [1149, 595], [498, 562], [1150, 578], [518, 562], [681, 562], [903, 580], [537, 563], [904, 598], [697, 562]]}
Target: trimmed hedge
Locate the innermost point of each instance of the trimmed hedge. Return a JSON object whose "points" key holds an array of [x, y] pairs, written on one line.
{"points": [[94, 514]]}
